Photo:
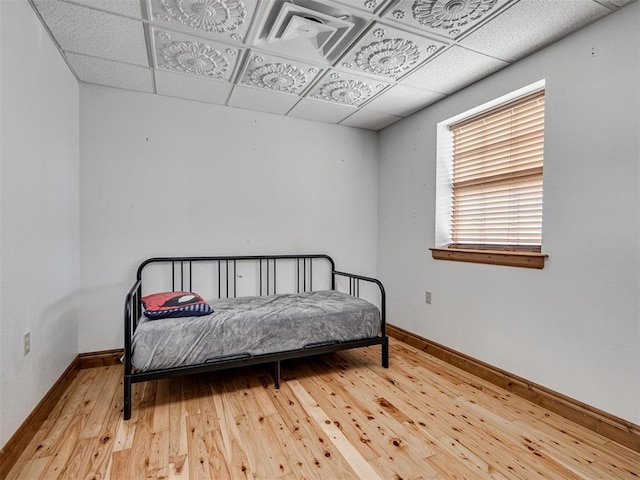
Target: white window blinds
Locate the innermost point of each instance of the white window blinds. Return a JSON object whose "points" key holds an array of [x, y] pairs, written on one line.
{"points": [[497, 176]]}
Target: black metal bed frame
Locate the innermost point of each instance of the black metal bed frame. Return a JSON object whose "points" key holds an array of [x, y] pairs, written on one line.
{"points": [[182, 278]]}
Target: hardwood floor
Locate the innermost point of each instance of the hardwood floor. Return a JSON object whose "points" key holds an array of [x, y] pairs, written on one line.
{"points": [[339, 416]]}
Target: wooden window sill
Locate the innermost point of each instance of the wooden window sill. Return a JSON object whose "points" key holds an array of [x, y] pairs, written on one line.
{"points": [[492, 257]]}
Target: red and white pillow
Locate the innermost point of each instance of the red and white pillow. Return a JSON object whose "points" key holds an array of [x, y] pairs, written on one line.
{"points": [[175, 304]]}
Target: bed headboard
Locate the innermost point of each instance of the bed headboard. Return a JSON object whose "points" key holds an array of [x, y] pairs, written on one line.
{"points": [[227, 276]]}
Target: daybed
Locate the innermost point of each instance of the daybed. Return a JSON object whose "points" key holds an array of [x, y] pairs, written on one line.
{"points": [[265, 310]]}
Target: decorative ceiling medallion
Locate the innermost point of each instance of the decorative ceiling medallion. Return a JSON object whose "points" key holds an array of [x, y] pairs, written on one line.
{"points": [[218, 16], [371, 4], [388, 57], [196, 58], [280, 77], [448, 14], [349, 92]]}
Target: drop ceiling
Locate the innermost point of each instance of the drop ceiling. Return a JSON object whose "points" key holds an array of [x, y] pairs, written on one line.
{"points": [[362, 63]]}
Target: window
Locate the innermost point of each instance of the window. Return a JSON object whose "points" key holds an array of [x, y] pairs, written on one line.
{"points": [[494, 184]]}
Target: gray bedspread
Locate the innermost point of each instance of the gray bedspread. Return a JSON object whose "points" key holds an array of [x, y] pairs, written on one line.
{"points": [[253, 326]]}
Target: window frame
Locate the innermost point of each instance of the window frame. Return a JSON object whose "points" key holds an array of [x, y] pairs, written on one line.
{"points": [[528, 257]]}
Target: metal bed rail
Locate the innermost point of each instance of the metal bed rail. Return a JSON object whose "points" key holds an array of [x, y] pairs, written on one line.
{"points": [[354, 290]]}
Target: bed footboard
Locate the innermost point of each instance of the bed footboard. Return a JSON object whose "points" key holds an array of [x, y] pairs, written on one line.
{"points": [[268, 275], [354, 289], [132, 313]]}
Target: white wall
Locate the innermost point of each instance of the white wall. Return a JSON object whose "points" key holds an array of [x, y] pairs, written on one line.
{"points": [[575, 326], [161, 176], [39, 230]]}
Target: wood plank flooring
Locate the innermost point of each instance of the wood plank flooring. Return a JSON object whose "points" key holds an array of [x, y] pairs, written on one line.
{"points": [[338, 416]]}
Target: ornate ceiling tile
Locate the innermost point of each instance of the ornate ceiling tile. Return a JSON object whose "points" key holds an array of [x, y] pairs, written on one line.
{"points": [[219, 16], [448, 18], [389, 57], [448, 14], [181, 53], [278, 74], [281, 77], [349, 92], [226, 20], [346, 89], [389, 52], [197, 58]]}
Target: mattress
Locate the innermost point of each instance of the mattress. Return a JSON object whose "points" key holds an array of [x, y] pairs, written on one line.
{"points": [[250, 326]]}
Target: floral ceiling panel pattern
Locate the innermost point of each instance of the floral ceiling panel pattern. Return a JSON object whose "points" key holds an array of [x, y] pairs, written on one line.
{"points": [[278, 74], [346, 88], [195, 56], [226, 20], [361, 63], [389, 52]]}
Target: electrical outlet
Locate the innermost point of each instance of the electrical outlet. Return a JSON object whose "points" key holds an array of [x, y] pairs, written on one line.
{"points": [[26, 344], [427, 296]]}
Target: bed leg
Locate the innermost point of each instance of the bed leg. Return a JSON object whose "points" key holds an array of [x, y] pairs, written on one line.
{"points": [[127, 398], [385, 353], [277, 375]]}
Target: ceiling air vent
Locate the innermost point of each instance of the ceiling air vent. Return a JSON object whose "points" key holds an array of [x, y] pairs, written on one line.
{"points": [[309, 30]]}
